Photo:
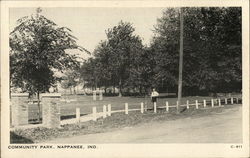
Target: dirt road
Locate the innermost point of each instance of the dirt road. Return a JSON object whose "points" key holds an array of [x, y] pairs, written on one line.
{"points": [[225, 127]]}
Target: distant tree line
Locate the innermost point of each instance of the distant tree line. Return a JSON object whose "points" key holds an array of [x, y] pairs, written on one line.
{"points": [[212, 54]]}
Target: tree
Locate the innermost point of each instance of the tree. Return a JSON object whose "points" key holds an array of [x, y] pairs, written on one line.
{"points": [[89, 73], [38, 49], [123, 45], [165, 48], [212, 53], [71, 80], [114, 58], [103, 66]]}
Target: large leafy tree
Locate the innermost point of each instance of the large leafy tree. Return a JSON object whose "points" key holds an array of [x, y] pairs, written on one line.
{"points": [[90, 73], [212, 49], [212, 53], [117, 60], [113, 60], [124, 46], [103, 65], [37, 50]]}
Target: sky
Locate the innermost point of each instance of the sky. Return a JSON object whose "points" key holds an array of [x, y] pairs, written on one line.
{"points": [[89, 24]]}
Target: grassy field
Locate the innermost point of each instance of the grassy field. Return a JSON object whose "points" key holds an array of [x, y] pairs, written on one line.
{"points": [[85, 103]]}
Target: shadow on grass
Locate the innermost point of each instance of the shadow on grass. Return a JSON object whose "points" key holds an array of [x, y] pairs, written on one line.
{"points": [[14, 138], [63, 117]]}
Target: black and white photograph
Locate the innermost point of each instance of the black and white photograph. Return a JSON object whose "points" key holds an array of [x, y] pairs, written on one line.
{"points": [[81, 77]]}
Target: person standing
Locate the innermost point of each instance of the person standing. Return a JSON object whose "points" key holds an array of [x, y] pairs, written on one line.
{"points": [[154, 95]]}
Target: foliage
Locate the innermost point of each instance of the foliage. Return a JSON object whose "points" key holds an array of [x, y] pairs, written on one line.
{"points": [[38, 49], [212, 53], [114, 58], [70, 79]]}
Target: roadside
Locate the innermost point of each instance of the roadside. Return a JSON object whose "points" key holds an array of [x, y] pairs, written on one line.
{"points": [[222, 127], [200, 124]]}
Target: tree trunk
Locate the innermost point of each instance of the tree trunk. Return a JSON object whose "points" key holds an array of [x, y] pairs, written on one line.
{"points": [[70, 90], [113, 89], [140, 90], [120, 88], [95, 84], [74, 88], [105, 89]]}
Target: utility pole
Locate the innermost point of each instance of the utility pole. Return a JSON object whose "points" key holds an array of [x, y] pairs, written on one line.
{"points": [[180, 62]]}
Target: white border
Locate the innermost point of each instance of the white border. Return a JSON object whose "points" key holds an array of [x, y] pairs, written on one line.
{"points": [[126, 150]]}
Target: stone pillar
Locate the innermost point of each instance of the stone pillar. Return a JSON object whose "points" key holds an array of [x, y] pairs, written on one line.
{"points": [[51, 109], [19, 109]]}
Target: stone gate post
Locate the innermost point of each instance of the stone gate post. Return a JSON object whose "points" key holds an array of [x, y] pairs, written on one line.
{"points": [[51, 109], [19, 109]]}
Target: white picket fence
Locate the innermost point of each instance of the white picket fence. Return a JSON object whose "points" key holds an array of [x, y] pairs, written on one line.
{"points": [[107, 110]]}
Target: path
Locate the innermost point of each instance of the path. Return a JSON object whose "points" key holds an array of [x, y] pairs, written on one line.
{"points": [[222, 127]]}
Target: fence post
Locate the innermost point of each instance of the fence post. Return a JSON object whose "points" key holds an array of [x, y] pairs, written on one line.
{"points": [[219, 102], [78, 115], [100, 95], [212, 102], [94, 95], [104, 111], [225, 101], [204, 103], [94, 113], [109, 110], [126, 108], [155, 110], [187, 104], [232, 100], [142, 108], [167, 106], [196, 104]]}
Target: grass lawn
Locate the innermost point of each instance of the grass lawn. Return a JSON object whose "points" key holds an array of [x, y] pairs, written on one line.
{"points": [[85, 103], [116, 121]]}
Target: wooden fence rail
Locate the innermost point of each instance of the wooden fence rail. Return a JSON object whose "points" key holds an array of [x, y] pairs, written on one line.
{"points": [[197, 104]]}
